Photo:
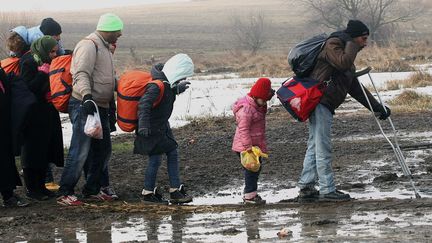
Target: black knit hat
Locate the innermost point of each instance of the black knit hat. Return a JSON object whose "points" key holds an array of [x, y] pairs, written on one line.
{"points": [[50, 27], [356, 28]]}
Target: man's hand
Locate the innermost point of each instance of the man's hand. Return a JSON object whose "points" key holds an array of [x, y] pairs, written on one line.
{"points": [[87, 104], [383, 114], [145, 132]]}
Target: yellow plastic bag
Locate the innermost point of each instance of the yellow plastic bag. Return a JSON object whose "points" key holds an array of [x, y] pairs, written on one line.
{"points": [[251, 160]]}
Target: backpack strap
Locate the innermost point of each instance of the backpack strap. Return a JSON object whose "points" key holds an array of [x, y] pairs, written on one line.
{"points": [[94, 42], [161, 86]]}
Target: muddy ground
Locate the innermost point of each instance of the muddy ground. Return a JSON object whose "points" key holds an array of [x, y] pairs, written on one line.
{"points": [[362, 160]]}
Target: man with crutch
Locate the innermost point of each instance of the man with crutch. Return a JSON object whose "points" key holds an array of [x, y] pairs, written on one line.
{"points": [[335, 65]]}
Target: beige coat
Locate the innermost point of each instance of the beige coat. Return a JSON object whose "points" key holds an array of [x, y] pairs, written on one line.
{"points": [[93, 70]]}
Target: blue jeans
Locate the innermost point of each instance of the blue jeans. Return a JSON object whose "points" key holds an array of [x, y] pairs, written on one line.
{"points": [[79, 149], [105, 172], [317, 163], [153, 166]]}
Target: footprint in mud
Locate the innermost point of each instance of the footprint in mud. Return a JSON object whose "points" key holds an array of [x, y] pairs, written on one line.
{"points": [[385, 178]]}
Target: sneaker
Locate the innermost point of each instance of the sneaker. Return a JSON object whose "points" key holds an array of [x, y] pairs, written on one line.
{"points": [[110, 191], [255, 200], [101, 196], [155, 197], [336, 196], [38, 196], [52, 186], [180, 196], [69, 200], [15, 201], [308, 194]]}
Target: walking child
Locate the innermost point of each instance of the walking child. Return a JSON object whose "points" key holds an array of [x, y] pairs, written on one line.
{"points": [[250, 112], [154, 134]]}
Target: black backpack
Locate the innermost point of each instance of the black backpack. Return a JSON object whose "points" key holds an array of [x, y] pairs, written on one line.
{"points": [[302, 57]]}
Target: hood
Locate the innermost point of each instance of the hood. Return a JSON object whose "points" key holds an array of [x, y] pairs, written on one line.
{"points": [[178, 67], [157, 74], [246, 100], [22, 31]]}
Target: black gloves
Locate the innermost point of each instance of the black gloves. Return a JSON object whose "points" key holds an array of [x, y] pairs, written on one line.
{"points": [[145, 132], [87, 104], [182, 87], [383, 114], [272, 93]]}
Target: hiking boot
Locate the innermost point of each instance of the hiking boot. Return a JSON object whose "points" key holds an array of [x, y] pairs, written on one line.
{"points": [[101, 196], [180, 196], [308, 194], [52, 186], [38, 196], [69, 200], [336, 196], [110, 191], [154, 197], [15, 201], [255, 200]]}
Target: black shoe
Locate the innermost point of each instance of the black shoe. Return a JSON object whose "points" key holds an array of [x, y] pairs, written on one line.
{"points": [[48, 193], [308, 194], [336, 196], [155, 197], [15, 201], [38, 196], [256, 200], [180, 196]]}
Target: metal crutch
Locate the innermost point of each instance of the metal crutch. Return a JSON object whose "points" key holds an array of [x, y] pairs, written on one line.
{"points": [[395, 145]]}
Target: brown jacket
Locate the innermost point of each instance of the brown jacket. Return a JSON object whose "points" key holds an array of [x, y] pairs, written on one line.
{"points": [[336, 63], [93, 70]]}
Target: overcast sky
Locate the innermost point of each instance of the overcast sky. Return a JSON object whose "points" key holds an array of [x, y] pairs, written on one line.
{"points": [[41, 5]]}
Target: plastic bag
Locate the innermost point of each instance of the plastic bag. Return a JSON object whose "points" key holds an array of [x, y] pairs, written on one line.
{"points": [[93, 126], [302, 57], [251, 160]]}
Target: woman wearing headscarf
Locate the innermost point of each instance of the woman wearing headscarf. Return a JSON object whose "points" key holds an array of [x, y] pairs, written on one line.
{"points": [[9, 177], [43, 143]]}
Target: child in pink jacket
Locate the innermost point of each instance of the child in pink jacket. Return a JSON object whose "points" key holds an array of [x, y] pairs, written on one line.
{"points": [[250, 112]]}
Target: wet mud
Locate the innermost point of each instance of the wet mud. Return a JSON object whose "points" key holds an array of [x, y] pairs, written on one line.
{"points": [[384, 208]]}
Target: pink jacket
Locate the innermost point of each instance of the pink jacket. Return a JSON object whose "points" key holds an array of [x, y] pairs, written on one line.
{"points": [[250, 129]]}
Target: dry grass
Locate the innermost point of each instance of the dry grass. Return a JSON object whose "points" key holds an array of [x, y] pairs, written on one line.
{"points": [[202, 29], [411, 101], [417, 79]]}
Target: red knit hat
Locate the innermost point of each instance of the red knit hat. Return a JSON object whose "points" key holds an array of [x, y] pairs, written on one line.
{"points": [[261, 89]]}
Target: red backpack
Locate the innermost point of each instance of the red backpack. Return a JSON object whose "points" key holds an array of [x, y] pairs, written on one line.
{"points": [[130, 88], [300, 96]]}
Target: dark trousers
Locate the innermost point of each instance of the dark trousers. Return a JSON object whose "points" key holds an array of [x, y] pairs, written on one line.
{"points": [[251, 178]]}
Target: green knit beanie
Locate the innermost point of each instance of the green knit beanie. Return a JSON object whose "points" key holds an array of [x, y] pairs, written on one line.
{"points": [[41, 49], [109, 22]]}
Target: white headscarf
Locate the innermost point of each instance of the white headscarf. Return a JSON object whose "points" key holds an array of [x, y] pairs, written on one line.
{"points": [[178, 67]]}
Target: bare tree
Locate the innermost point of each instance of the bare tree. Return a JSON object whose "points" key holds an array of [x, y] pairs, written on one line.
{"points": [[377, 14], [249, 32], [7, 22]]}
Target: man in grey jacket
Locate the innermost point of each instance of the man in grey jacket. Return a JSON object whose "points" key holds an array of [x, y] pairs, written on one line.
{"points": [[93, 84]]}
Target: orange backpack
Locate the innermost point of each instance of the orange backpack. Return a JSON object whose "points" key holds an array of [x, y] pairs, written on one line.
{"points": [[61, 82], [11, 65], [130, 88]]}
